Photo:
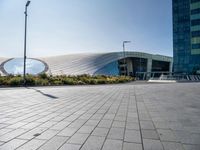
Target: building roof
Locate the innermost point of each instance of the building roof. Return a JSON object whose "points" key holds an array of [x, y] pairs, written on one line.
{"points": [[90, 63]]}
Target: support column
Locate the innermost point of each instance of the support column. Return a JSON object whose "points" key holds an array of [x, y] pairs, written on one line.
{"points": [[170, 66], [149, 68], [129, 66], [149, 64]]}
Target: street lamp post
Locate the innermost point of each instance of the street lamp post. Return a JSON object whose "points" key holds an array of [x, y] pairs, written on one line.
{"points": [[24, 75], [124, 42]]}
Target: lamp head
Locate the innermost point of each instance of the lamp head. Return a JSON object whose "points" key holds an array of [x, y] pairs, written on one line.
{"points": [[126, 41], [27, 4]]}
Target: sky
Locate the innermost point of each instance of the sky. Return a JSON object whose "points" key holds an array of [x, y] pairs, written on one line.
{"points": [[58, 27]]}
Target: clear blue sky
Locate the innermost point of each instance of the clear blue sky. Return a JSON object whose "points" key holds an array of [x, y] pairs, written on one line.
{"points": [[57, 27]]}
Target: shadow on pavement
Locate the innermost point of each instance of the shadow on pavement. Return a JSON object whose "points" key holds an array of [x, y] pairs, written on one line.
{"points": [[48, 95]]}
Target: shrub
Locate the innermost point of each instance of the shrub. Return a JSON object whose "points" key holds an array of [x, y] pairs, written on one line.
{"points": [[81, 83], [43, 75], [44, 79], [42, 82], [30, 80], [92, 81], [57, 82], [16, 81], [68, 81], [3, 81], [102, 81]]}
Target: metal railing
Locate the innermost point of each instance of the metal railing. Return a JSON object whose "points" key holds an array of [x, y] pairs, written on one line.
{"points": [[166, 76]]}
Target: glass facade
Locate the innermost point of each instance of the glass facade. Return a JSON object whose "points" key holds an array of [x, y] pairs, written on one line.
{"points": [[109, 69], [186, 36], [139, 65], [160, 66]]}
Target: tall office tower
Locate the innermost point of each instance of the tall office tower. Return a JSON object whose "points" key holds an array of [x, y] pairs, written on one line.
{"points": [[186, 36]]}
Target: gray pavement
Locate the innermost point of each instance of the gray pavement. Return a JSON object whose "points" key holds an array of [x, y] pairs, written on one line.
{"points": [[104, 117]]}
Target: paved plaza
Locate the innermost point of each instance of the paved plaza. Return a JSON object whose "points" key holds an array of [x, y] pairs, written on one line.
{"points": [[103, 117]]}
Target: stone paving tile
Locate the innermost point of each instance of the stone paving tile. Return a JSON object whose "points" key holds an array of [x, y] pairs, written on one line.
{"points": [[116, 133], [105, 123], [60, 125], [152, 144], [109, 117], [67, 132], [70, 147], [161, 125], [87, 116], [144, 116], [77, 124], [100, 132], [4, 131], [172, 146], [58, 118], [54, 143], [32, 133], [132, 119], [30, 125], [132, 136], [150, 134], [93, 143], [97, 116], [17, 125], [78, 138], [71, 118], [112, 144], [119, 124], [147, 125], [191, 147], [92, 122], [120, 118], [32, 145], [132, 146], [167, 135], [46, 135], [86, 129], [103, 115], [11, 135], [13, 144], [132, 126], [3, 125], [48, 124]]}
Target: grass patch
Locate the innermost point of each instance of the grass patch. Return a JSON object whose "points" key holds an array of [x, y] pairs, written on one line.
{"points": [[48, 80]]}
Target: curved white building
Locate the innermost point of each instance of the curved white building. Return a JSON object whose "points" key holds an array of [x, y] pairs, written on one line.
{"points": [[105, 63]]}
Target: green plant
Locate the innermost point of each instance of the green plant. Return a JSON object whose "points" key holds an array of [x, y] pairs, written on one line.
{"points": [[102, 81], [57, 82], [16, 81], [68, 81], [30, 80], [42, 82], [44, 79], [43, 75]]}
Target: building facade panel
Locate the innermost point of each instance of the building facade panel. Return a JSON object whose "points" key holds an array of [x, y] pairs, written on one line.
{"points": [[93, 64], [186, 35]]}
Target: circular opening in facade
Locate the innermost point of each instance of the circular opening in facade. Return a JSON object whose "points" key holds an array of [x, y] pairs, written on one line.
{"points": [[15, 66]]}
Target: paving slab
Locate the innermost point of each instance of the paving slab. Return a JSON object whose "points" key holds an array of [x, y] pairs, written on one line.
{"points": [[103, 117]]}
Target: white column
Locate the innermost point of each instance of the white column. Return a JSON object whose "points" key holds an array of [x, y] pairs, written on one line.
{"points": [[170, 66], [149, 64]]}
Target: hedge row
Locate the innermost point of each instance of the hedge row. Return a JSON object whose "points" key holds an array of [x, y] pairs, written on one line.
{"points": [[46, 80]]}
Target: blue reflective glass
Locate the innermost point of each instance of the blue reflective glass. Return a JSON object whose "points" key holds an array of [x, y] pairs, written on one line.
{"points": [[16, 66], [109, 69]]}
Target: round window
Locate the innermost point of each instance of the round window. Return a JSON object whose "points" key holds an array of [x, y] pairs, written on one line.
{"points": [[16, 66]]}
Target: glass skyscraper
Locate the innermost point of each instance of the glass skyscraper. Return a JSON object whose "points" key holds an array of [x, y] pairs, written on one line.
{"points": [[186, 36]]}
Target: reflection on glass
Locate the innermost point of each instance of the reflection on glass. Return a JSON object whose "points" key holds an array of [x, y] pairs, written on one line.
{"points": [[109, 69], [16, 66]]}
